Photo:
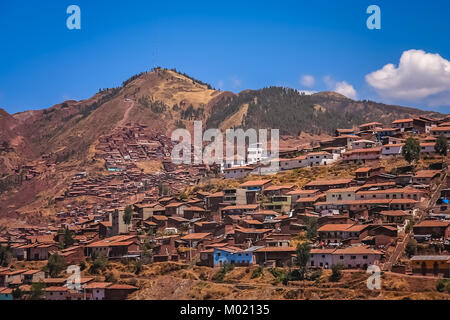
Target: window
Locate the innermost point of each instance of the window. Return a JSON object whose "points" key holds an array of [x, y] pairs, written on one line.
{"points": [[353, 257], [365, 257], [341, 257]]}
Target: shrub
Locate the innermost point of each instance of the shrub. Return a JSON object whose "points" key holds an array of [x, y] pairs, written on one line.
{"points": [[443, 285], [336, 273], [99, 264], [257, 272], [220, 275]]}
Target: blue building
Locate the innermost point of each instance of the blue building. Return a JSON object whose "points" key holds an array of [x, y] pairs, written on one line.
{"points": [[6, 294], [232, 255]]}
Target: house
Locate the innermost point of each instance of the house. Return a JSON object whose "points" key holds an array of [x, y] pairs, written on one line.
{"points": [[427, 148], [195, 240], [365, 173], [298, 194], [371, 126], [338, 233], [119, 291], [8, 277], [246, 235], [322, 258], [293, 163], [238, 172], [147, 210], [6, 294], [96, 290], [403, 124], [113, 248], [194, 212], [256, 185], [362, 144], [276, 256], [341, 194], [39, 251], [393, 193], [381, 133], [393, 216], [176, 209], [426, 177], [73, 255], [214, 200], [32, 276], [321, 158], [431, 265], [324, 185], [362, 155], [308, 202], [391, 150], [57, 293], [340, 132], [235, 197], [278, 204], [437, 229], [232, 255], [239, 209], [350, 257], [437, 131], [278, 190]]}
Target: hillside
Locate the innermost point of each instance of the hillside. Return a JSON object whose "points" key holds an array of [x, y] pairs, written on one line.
{"points": [[294, 112], [159, 99], [61, 140]]}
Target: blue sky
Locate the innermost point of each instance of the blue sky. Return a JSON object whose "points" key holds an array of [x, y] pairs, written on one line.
{"points": [[233, 45]]}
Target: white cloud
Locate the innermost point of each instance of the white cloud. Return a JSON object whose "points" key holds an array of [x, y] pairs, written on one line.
{"points": [[342, 87], [346, 89], [307, 80], [420, 77]]}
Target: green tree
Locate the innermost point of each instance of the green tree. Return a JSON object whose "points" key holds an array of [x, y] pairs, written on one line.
{"points": [[311, 228], [128, 215], [68, 239], [411, 150], [37, 290], [17, 294], [411, 247], [336, 272], [302, 258], [99, 264], [5, 255], [56, 263], [441, 146]]}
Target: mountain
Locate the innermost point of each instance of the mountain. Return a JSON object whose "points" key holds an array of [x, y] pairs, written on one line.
{"points": [[294, 112], [41, 150]]}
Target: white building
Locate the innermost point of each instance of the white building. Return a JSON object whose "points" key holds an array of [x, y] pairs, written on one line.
{"points": [[389, 150], [256, 153]]}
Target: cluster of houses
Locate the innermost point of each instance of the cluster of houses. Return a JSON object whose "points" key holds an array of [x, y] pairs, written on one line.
{"points": [[370, 142], [356, 221]]}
